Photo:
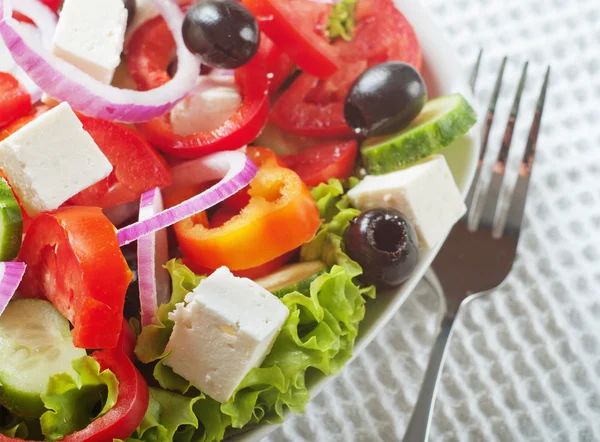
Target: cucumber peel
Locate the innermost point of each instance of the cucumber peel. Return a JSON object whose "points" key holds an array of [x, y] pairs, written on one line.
{"points": [[292, 278], [11, 223], [441, 122], [35, 344]]}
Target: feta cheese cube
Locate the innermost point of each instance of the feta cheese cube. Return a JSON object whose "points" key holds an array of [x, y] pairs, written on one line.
{"points": [[225, 329], [426, 193], [90, 36], [213, 101], [51, 159]]}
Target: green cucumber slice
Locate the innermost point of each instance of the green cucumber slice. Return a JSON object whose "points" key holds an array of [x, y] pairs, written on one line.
{"points": [[11, 223], [441, 122], [35, 343], [292, 278]]}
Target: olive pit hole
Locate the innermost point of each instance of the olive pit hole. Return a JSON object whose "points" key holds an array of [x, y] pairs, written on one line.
{"points": [[389, 236]]}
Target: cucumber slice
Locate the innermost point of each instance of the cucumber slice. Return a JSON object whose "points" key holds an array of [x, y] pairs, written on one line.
{"points": [[292, 278], [11, 223], [35, 343], [441, 122]]}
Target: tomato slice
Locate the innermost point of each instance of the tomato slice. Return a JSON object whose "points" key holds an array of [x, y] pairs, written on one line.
{"points": [[137, 166], [315, 107], [294, 25], [278, 64], [335, 159], [74, 260], [15, 101]]}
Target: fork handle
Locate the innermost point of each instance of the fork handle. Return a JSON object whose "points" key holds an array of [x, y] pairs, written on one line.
{"points": [[418, 427]]}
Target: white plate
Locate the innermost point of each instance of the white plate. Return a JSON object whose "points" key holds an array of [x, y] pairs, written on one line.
{"points": [[443, 75]]}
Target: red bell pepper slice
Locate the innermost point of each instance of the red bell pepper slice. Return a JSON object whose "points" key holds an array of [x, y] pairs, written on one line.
{"points": [[148, 56], [15, 101], [74, 260], [127, 413]]}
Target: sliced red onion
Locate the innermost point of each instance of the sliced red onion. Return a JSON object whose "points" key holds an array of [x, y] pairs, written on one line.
{"points": [[65, 82], [11, 274], [153, 253], [328, 2], [45, 24], [236, 171]]}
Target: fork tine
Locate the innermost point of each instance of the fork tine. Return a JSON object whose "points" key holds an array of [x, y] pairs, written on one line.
{"points": [[489, 119], [475, 71], [488, 213], [517, 205]]}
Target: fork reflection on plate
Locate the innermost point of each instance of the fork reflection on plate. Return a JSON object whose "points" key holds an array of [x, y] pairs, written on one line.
{"points": [[476, 257]]}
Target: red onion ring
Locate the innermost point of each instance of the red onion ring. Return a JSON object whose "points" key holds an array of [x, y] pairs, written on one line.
{"points": [[236, 171], [11, 274], [152, 254], [64, 82]]}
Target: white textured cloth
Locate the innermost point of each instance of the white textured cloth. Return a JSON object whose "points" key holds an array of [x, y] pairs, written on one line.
{"points": [[524, 363]]}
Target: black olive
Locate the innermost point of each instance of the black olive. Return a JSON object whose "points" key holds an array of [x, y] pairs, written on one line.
{"points": [[130, 5], [223, 32], [385, 244], [385, 99]]}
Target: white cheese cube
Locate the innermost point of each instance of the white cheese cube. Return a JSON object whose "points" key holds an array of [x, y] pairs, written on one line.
{"points": [[213, 101], [52, 159], [225, 329], [90, 36], [426, 193]]}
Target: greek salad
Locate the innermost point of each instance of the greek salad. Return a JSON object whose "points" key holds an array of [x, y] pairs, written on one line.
{"points": [[198, 202]]}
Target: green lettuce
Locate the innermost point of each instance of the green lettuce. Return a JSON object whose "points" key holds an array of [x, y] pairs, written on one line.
{"points": [[318, 337], [169, 416], [342, 21], [73, 401]]}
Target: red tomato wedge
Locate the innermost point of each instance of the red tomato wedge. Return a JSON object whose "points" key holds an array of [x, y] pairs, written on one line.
{"points": [[74, 260], [315, 107], [335, 159], [15, 101], [278, 64], [294, 26], [137, 166]]}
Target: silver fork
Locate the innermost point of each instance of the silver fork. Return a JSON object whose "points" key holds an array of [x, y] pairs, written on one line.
{"points": [[474, 260]]}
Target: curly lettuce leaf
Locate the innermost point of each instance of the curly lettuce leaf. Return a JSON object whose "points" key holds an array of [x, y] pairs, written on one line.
{"points": [[72, 401], [169, 416], [318, 336], [342, 20]]}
